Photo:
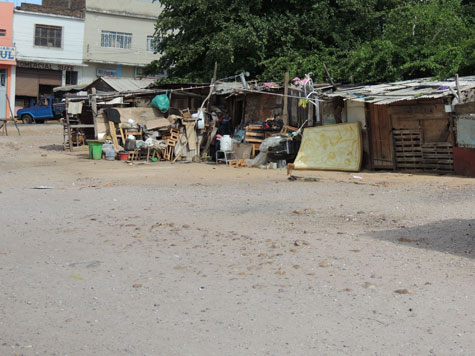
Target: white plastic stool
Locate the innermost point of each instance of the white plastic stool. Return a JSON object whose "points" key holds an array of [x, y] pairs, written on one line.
{"points": [[227, 156]]}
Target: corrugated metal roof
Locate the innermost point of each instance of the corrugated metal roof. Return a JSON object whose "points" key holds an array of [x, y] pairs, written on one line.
{"points": [[228, 87], [69, 88], [125, 84], [383, 94]]}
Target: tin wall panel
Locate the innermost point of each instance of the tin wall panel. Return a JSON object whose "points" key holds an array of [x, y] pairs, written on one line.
{"points": [[466, 131]]}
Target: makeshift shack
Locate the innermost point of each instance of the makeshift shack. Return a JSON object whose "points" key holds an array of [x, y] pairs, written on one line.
{"points": [[199, 117], [123, 115], [406, 125]]}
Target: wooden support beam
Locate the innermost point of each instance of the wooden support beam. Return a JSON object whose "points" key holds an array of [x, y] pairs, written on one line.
{"points": [[285, 109], [68, 127], [213, 82], [459, 92], [93, 100], [12, 115], [112, 130], [328, 74]]}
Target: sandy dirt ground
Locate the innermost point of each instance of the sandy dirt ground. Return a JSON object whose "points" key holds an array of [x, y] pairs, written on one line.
{"points": [[204, 260]]}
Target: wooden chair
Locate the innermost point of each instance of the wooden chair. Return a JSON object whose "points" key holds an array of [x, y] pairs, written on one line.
{"points": [[134, 132], [255, 134]]}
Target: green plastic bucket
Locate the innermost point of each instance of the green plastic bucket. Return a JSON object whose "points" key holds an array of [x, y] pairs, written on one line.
{"points": [[95, 150]]}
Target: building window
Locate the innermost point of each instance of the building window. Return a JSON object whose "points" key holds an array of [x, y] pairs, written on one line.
{"points": [[116, 40], [150, 43], [71, 77], [48, 36], [3, 77], [3, 32]]}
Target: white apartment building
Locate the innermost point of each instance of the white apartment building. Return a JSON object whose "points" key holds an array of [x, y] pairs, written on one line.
{"points": [[118, 37], [70, 42], [49, 53]]}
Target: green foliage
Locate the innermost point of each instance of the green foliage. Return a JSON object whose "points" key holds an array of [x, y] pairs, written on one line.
{"points": [[374, 61], [359, 40], [430, 36]]}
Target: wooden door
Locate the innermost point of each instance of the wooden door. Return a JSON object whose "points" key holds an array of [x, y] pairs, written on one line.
{"points": [[380, 137]]}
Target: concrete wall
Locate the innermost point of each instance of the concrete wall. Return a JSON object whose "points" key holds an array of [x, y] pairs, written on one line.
{"points": [[140, 28], [66, 4], [354, 111], [6, 23], [89, 73], [136, 17], [74, 8], [24, 37], [139, 7]]}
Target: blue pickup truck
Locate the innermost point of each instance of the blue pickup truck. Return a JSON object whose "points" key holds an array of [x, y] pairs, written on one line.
{"points": [[44, 109]]}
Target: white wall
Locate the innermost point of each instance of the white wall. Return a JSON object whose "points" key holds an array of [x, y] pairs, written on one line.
{"points": [[354, 111], [137, 55], [24, 35], [89, 73], [12, 88]]}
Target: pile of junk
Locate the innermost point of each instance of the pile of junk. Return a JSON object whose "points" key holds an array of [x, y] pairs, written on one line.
{"points": [[151, 130], [269, 144]]}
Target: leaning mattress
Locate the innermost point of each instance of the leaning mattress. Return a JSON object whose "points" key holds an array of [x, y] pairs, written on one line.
{"points": [[333, 147]]}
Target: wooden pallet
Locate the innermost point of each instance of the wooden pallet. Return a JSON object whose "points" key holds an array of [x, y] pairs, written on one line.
{"points": [[438, 156], [412, 154], [407, 147], [138, 155]]}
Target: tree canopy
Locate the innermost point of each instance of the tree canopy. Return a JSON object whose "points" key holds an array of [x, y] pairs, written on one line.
{"points": [[360, 41]]}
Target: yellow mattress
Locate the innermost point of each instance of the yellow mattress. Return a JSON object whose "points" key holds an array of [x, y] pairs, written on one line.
{"points": [[333, 147]]}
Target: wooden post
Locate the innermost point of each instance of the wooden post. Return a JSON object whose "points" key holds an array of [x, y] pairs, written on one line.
{"points": [[12, 115], [113, 133], [452, 129], [213, 82], [94, 111], [369, 139], [285, 110], [68, 127], [208, 104], [458, 88], [215, 73], [393, 143], [328, 74]]}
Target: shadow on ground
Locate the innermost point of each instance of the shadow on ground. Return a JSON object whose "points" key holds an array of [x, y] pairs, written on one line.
{"points": [[52, 148], [83, 156], [453, 236]]}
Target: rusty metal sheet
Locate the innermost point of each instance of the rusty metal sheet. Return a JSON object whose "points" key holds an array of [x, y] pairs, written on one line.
{"points": [[464, 161]]}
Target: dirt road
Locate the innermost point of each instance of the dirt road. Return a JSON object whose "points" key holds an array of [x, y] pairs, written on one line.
{"points": [[204, 260]]}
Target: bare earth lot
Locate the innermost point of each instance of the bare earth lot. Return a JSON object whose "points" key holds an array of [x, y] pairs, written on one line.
{"points": [[199, 260]]}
